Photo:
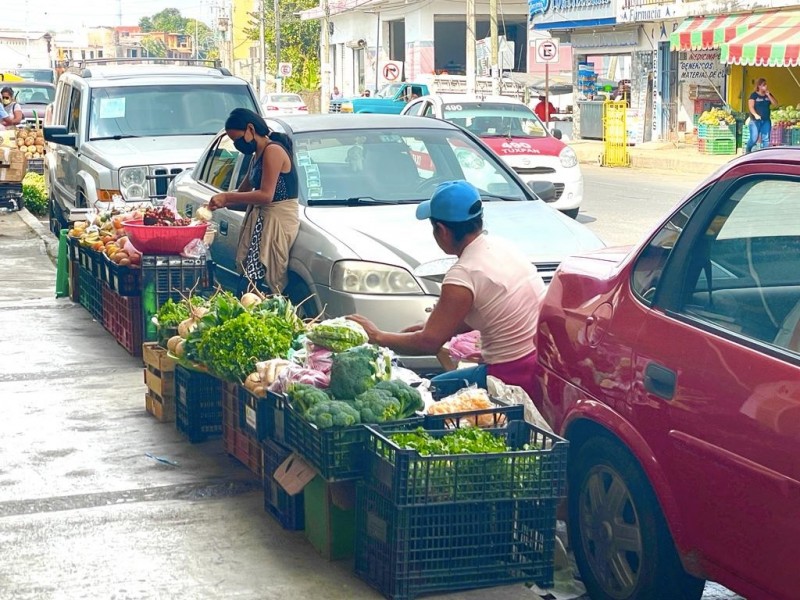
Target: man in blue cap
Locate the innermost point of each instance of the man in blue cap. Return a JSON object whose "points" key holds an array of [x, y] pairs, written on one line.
{"points": [[492, 288]]}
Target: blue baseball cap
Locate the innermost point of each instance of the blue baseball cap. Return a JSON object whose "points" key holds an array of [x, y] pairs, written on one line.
{"points": [[453, 201]]}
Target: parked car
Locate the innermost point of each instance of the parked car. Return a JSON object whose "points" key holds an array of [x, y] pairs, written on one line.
{"points": [[361, 177], [283, 104], [674, 371], [517, 135], [128, 130], [389, 100], [33, 97]]}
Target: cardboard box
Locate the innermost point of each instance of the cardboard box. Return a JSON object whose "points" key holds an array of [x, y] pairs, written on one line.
{"points": [[13, 165]]}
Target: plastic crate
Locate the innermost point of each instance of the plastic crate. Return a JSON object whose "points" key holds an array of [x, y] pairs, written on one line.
{"points": [[776, 135], [122, 318], [126, 281], [159, 376], [90, 293], [787, 136], [74, 248], [198, 404], [74, 280], [718, 147], [287, 510], [717, 132], [91, 261], [410, 479], [795, 137], [336, 452], [408, 551], [36, 165], [236, 442], [165, 277], [263, 417]]}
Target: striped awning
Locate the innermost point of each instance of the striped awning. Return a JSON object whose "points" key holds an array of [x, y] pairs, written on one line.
{"points": [[705, 33], [774, 41]]}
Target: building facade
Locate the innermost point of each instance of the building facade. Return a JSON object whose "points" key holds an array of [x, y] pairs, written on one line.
{"points": [[23, 49]]}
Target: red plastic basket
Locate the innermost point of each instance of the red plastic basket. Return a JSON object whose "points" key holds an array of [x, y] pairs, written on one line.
{"points": [[159, 239]]}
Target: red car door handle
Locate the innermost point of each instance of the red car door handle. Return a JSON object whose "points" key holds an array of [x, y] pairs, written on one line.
{"points": [[660, 381]]}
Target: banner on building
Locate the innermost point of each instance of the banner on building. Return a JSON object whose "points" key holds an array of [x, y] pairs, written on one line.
{"points": [[701, 66]]}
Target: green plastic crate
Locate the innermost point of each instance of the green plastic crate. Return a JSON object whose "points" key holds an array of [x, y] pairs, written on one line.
{"points": [[330, 529], [717, 132], [718, 147]]}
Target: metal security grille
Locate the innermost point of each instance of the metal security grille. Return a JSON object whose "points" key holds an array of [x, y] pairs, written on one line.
{"points": [[160, 178]]}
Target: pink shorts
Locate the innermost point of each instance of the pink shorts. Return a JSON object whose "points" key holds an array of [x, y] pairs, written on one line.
{"points": [[520, 372]]}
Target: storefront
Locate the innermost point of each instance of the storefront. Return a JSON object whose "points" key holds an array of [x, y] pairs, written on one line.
{"points": [[725, 55], [603, 55]]}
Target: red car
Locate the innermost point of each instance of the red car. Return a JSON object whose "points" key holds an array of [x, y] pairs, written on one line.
{"points": [[674, 371]]}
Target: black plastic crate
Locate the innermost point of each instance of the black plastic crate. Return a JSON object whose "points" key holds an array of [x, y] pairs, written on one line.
{"points": [[287, 510], [198, 404], [90, 293], [91, 260], [36, 165], [164, 277], [124, 280], [408, 551], [409, 479], [336, 452], [263, 417], [490, 418], [74, 248]]}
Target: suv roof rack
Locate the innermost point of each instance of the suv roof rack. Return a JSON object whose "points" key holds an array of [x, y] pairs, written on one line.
{"points": [[81, 65]]}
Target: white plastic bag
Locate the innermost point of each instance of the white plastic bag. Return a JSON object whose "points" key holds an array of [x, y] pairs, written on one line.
{"points": [[514, 394]]}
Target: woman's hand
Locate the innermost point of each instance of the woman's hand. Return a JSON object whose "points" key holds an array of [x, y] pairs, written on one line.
{"points": [[372, 330], [218, 201]]}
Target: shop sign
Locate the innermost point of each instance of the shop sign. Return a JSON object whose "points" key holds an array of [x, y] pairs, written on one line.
{"points": [[638, 11], [701, 66], [552, 11]]}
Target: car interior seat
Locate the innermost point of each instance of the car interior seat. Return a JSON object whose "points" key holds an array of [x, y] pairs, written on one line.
{"points": [[391, 164]]}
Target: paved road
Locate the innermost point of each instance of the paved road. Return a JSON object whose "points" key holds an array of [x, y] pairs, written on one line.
{"points": [[622, 205]]}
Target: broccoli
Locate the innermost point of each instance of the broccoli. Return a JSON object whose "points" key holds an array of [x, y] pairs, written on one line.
{"points": [[356, 370], [377, 406], [409, 397], [305, 396], [332, 413]]}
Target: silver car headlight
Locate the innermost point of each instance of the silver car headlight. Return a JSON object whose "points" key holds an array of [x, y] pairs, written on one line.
{"points": [[132, 183], [360, 277], [568, 157]]}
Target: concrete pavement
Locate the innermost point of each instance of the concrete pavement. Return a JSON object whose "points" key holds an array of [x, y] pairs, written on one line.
{"points": [[662, 156]]}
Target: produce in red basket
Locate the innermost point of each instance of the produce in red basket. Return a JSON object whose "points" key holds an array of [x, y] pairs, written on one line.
{"points": [[163, 217]]}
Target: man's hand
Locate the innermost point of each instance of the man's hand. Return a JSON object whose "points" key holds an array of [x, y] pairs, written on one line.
{"points": [[372, 330]]}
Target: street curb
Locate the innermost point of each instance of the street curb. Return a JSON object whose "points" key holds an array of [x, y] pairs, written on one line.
{"points": [[48, 239]]}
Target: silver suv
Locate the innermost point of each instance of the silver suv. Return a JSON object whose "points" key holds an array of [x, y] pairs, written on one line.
{"points": [[128, 130]]}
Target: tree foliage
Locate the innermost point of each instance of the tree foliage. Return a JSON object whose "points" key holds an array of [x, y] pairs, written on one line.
{"points": [[170, 20], [299, 43]]}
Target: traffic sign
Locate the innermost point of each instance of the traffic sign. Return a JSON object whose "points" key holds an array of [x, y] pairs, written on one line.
{"points": [[285, 69], [547, 51], [391, 71]]}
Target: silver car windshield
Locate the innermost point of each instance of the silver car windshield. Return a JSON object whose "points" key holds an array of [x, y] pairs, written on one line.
{"points": [[394, 166], [164, 110]]}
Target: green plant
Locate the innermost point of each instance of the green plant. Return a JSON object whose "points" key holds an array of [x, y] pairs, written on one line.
{"points": [[34, 194]]}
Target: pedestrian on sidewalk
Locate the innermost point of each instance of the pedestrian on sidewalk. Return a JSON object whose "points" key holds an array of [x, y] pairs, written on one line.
{"points": [[760, 103]]}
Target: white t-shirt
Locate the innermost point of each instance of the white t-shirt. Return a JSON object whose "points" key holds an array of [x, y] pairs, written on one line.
{"points": [[507, 292]]}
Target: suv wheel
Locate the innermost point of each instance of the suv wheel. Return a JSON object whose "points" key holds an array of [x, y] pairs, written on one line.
{"points": [[622, 545], [297, 291], [56, 217]]}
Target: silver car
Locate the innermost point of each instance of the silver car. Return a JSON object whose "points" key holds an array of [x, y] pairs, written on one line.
{"points": [[360, 248]]}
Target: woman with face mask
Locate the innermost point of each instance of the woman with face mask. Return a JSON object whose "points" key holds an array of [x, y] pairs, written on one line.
{"points": [[13, 109], [269, 192]]}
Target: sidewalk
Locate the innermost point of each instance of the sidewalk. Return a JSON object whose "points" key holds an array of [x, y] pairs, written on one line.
{"points": [[663, 156]]}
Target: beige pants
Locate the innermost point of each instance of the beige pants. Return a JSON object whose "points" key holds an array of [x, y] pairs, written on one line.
{"points": [[281, 223]]}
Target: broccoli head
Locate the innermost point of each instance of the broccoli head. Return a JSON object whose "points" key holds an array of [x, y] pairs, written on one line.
{"points": [[304, 396], [356, 370], [332, 413], [409, 397], [377, 406]]}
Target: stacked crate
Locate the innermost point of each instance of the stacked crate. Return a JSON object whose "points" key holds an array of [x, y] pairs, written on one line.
{"points": [[159, 376], [238, 443], [716, 139], [198, 404]]}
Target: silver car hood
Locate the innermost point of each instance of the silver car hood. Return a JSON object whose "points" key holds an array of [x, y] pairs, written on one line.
{"points": [[393, 235], [134, 152]]}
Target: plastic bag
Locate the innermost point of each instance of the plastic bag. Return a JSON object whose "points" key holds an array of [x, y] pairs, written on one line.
{"points": [[318, 358], [422, 385], [466, 347], [296, 374], [467, 399], [195, 249], [516, 395]]}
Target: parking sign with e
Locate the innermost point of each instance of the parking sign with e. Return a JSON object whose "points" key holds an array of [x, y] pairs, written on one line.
{"points": [[285, 69], [546, 51]]}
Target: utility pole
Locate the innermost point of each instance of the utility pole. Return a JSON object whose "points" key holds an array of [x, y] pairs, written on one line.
{"points": [[278, 42], [325, 92], [493, 56], [261, 49], [470, 66]]}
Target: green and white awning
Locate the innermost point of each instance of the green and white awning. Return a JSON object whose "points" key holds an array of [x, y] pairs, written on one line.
{"points": [[705, 33], [773, 41]]}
